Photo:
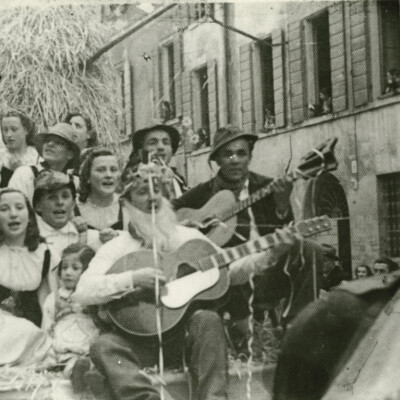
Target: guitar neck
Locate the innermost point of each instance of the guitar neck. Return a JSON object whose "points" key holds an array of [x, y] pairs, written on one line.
{"points": [[224, 257], [254, 197]]}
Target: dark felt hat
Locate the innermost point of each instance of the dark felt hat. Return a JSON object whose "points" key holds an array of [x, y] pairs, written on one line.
{"points": [[226, 135], [63, 131], [138, 136]]}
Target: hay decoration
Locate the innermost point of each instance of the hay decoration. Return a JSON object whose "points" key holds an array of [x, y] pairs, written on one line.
{"points": [[43, 66], [26, 379]]}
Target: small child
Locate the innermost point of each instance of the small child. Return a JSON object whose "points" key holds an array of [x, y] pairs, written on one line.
{"points": [[71, 327]]}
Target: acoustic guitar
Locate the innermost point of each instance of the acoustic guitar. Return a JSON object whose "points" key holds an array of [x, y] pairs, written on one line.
{"points": [[219, 213], [195, 272]]}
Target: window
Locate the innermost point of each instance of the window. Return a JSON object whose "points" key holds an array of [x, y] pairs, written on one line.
{"points": [[167, 105], [390, 45], [318, 65], [201, 115], [202, 10], [389, 186], [267, 85]]}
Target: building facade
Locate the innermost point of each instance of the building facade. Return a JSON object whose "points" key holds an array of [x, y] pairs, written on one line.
{"points": [[296, 74]]}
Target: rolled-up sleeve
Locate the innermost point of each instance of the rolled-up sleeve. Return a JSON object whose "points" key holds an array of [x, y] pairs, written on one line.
{"points": [[95, 285]]}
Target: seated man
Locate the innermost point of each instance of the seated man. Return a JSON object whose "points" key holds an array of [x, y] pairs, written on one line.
{"points": [[293, 277], [54, 202], [384, 265], [120, 356]]}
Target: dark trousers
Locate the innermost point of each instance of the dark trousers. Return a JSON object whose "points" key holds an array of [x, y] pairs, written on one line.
{"points": [[296, 277], [120, 357]]}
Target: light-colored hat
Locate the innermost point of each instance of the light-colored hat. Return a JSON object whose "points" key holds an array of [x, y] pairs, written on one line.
{"points": [[135, 176], [63, 131], [48, 180], [226, 135]]}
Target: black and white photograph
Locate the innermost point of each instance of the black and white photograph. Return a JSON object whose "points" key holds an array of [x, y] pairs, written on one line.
{"points": [[200, 200]]}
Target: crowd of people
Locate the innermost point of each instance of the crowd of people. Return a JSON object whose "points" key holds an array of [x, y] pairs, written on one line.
{"points": [[69, 211]]}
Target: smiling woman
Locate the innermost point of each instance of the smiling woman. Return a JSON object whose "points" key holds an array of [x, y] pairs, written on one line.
{"points": [[22, 255], [98, 200]]}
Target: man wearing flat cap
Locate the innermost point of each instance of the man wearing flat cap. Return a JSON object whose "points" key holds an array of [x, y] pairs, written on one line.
{"points": [[163, 141], [232, 151]]}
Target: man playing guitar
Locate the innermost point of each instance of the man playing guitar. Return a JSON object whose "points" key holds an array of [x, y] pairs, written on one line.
{"points": [[121, 356], [232, 151]]}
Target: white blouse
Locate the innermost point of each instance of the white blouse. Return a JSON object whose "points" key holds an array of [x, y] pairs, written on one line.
{"points": [[10, 161], [100, 217], [20, 268]]}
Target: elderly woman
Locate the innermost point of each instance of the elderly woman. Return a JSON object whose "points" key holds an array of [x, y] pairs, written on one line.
{"points": [[85, 135], [18, 132], [99, 202], [60, 153], [22, 262]]}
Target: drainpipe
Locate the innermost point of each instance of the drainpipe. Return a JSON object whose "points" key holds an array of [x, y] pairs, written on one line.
{"points": [[231, 65]]}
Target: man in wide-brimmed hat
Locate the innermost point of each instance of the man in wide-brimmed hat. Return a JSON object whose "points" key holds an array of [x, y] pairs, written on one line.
{"points": [[163, 142], [232, 151], [59, 152]]}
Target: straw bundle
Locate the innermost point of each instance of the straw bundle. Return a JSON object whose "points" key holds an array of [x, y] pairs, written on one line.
{"points": [[43, 66]]}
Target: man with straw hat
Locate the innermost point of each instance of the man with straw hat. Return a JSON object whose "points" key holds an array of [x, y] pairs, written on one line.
{"points": [[232, 151], [60, 153], [163, 142], [122, 357]]}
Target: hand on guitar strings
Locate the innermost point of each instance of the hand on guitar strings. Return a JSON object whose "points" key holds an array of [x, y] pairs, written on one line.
{"points": [[146, 277], [282, 188], [240, 270]]}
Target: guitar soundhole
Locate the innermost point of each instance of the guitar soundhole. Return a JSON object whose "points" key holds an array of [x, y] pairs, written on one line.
{"points": [[185, 269]]}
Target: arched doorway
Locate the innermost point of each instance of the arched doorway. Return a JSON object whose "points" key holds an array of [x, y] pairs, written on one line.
{"points": [[325, 196]]}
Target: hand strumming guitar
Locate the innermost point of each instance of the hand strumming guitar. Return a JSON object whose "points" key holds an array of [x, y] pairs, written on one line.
{"points": [[146, 277], [282, 188]]}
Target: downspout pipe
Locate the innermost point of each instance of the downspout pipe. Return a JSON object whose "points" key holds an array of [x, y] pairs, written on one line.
{"points": [[140, 24]]}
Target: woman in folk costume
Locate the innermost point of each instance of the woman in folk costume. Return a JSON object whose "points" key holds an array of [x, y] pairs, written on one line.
{"points": [[22, 254], [18, 132], [98, 202]]}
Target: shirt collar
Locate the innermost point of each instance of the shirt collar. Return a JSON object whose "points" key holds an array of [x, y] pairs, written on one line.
{"points": [[47, 230]]}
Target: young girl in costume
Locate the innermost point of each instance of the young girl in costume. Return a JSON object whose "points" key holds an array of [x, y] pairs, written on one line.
{"points": [[67, 322]]}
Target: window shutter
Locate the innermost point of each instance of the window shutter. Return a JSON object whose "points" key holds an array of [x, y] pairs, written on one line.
{"points": [[246, 87], [128, 103], [155, 57], [296, 71], [186, 94], [338, 57], [212, 74], [278, 60], [359, 51], [178, 73]]}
